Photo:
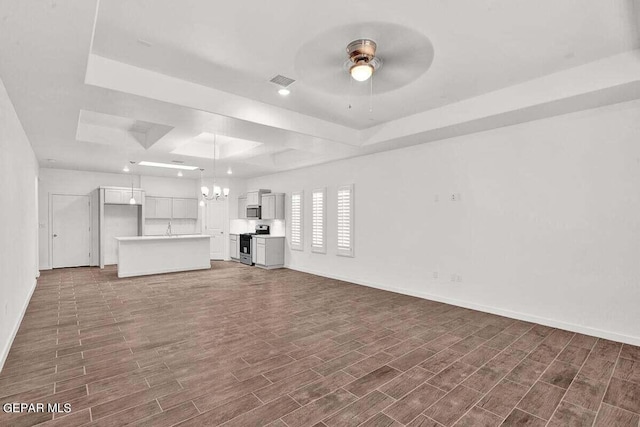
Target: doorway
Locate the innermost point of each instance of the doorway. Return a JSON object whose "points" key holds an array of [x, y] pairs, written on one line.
{"points": [[70, 230], [215, 212]]}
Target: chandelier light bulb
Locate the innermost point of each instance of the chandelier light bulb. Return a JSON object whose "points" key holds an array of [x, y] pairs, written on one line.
{"points": [[205, 190], [225, 192]]}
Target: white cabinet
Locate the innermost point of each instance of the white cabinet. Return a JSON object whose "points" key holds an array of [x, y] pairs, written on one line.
{"points": [[234, 246], [242, 207], [158, 207], [268, 207], [121, 196], [261, 251], [171, 208], [192, 208], [112, 196], [185, 208], [178, 208], [115, 221], [254, 198], [269, 252], [273, 206]]}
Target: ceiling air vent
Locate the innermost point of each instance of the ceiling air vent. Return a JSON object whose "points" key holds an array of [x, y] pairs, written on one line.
{"points": [[281, 80]]}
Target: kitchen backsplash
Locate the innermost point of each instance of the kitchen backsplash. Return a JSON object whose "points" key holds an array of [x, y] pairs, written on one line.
{"points": [[158, 227], [238, 226]]}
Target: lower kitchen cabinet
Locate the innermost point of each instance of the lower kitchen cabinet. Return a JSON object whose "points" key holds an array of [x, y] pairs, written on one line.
{"points": [[269, 252], [234, 247]]}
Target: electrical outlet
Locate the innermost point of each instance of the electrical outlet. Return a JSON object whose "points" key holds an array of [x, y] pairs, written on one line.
{"points": [[458, 278], [455, 197]]}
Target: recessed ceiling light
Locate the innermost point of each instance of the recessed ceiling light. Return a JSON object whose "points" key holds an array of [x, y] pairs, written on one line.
{"points": [[179, 173], [167, 165], [125, 169], [229, 171], [51, 160], [284, 91]]}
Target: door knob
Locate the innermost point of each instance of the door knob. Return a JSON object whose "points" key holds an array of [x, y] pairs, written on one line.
{"points": [[55, 235]]}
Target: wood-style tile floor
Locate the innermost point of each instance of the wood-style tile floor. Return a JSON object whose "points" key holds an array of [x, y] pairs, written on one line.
{"points": [[241, 346]]}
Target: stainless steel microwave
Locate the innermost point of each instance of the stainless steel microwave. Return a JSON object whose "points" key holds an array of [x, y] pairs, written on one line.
{"points": [[254, 212]]}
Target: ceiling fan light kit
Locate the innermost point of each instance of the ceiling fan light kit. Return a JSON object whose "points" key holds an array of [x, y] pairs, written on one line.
{"points": [[362, 60]]}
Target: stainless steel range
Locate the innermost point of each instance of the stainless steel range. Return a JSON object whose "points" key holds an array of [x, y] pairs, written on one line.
{"points": [[246, 256]]}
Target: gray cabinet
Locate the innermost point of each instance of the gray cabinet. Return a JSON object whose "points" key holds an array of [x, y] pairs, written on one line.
{"points": [[269, 252]]}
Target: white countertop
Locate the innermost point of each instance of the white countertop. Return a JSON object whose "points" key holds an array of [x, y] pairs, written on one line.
{"points": [[174, 237], [267, 236]]}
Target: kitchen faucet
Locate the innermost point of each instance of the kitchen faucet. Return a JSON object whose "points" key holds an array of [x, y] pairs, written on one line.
{"points": [[169, 233]]}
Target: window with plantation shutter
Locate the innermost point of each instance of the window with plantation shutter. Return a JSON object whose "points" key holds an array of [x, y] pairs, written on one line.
{"points": [[345, 220], [296, 220], [318, 220]]}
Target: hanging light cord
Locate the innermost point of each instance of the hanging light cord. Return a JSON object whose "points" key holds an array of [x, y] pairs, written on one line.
{"points": [[371, 94]]}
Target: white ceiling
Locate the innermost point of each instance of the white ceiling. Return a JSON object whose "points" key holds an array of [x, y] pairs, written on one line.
{"points": [[96, 84]]}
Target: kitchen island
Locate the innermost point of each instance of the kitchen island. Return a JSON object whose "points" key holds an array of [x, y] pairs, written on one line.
{"points": [[144, 255]]}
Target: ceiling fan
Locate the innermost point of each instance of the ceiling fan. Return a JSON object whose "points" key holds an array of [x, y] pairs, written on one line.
{"points": [[357, 51], [362, 60]]}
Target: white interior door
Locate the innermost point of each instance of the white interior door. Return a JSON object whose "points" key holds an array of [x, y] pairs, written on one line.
{"points": [[215, 214], [71, 236]]}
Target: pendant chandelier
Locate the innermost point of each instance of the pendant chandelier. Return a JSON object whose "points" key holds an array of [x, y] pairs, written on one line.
{"points": [[216, 192]]}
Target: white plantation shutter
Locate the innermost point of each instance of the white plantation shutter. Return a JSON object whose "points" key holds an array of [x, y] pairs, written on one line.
{"points": [[296, 220], [345, 220], [318, 220]]}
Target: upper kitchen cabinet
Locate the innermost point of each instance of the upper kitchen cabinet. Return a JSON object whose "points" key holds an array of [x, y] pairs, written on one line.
{"points": [[273, 206], [158, 207], [121, 196], [254, 198], [242, 207], [185, 208], [171, 208]]}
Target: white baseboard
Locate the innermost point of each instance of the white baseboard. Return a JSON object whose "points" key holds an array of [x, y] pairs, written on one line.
{"points": [[614, 336], [5, 351]]}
